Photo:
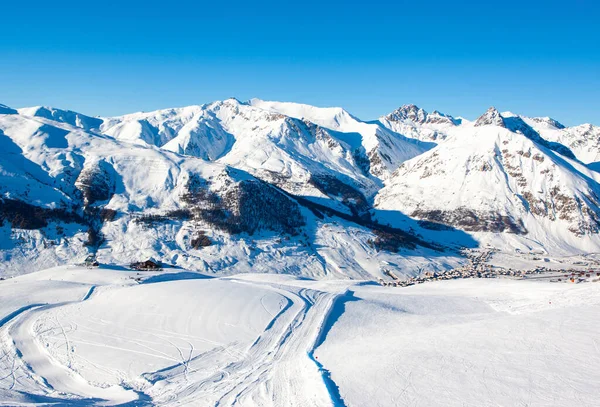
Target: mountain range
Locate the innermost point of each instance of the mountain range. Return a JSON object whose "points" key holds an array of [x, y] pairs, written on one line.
{"points": [[265, 186]]}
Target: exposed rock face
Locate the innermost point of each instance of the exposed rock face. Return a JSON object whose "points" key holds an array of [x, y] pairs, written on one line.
{"points": [[491, 117], [415, 123], [245, 206], [408, 112], [583, 213], [472, 221], [436, 117], [416, 115], [96, 182]]}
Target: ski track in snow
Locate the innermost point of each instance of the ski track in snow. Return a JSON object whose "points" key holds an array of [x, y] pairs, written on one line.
{"points": [[277, 369], [96, 338], [44, 367]]}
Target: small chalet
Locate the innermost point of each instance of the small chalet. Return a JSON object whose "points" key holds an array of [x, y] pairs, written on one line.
{"points": [[91, 262], [148, 265]]}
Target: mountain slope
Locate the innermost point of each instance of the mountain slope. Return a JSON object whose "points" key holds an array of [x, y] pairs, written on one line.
{"points": [[491, 179], [260, 186], [67, 192], [416, 123], [323, 153], [282, 150], [582, 140], [63, 116], [385, 148]]}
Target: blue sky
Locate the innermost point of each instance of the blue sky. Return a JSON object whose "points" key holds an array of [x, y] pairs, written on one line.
{"points": [[530, 57]]}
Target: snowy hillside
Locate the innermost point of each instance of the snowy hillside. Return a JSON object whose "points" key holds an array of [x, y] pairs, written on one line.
{"points": [[236, 186], [583, 140], [63, 116], [67, 192], [301, 253], [307, 154], [385, 149], [469, 342], [493, 177]]}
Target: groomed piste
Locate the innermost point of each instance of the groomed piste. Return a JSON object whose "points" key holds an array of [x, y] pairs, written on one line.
{"points": [[75, 336]]}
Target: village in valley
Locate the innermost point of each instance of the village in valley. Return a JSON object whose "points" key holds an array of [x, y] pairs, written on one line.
{"points": [[478, 266]]}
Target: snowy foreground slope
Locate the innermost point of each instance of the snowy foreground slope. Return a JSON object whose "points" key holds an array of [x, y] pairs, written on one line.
{"points": [[467, 343], [74, 336]]}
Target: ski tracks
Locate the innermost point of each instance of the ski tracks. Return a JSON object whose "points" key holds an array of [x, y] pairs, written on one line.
{"points": [[277, 369], [33, 361]]}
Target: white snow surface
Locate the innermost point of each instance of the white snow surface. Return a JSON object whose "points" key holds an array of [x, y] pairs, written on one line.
{"points": [[46, 158], [466, 342], [76, 336]]}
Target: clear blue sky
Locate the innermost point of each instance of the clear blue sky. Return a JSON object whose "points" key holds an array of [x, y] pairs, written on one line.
{"points": [[114, 57]]}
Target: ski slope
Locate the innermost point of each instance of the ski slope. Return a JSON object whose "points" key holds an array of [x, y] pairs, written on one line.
{"points": [[73, 336], [475, 342], [167, 341]]}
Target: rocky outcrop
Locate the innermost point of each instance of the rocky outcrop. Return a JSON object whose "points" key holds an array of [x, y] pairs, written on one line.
{"points": [[491, 117], [416, 115], [472, 221], [96, 182]]}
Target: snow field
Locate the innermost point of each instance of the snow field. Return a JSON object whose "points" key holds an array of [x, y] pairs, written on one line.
{"points": [[467, 343], [74, 336], [202, 341]]}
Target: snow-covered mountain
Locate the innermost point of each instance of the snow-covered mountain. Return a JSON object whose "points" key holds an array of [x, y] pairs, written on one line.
{"points": [[415, 122], [63, 116], [385, 149], [500, 176], [292, 188], [297, 147], [582, 140], [66, 192]]}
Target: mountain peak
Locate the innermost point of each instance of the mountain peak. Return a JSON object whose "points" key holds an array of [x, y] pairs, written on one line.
{"points": [[549, 121], [63, 116], [491, 117], [408, 112], [416, 115], [233, 99]]}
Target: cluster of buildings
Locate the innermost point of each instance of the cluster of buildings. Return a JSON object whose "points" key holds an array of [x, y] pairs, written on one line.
{"points": [[575, 276], [478, 268]]}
